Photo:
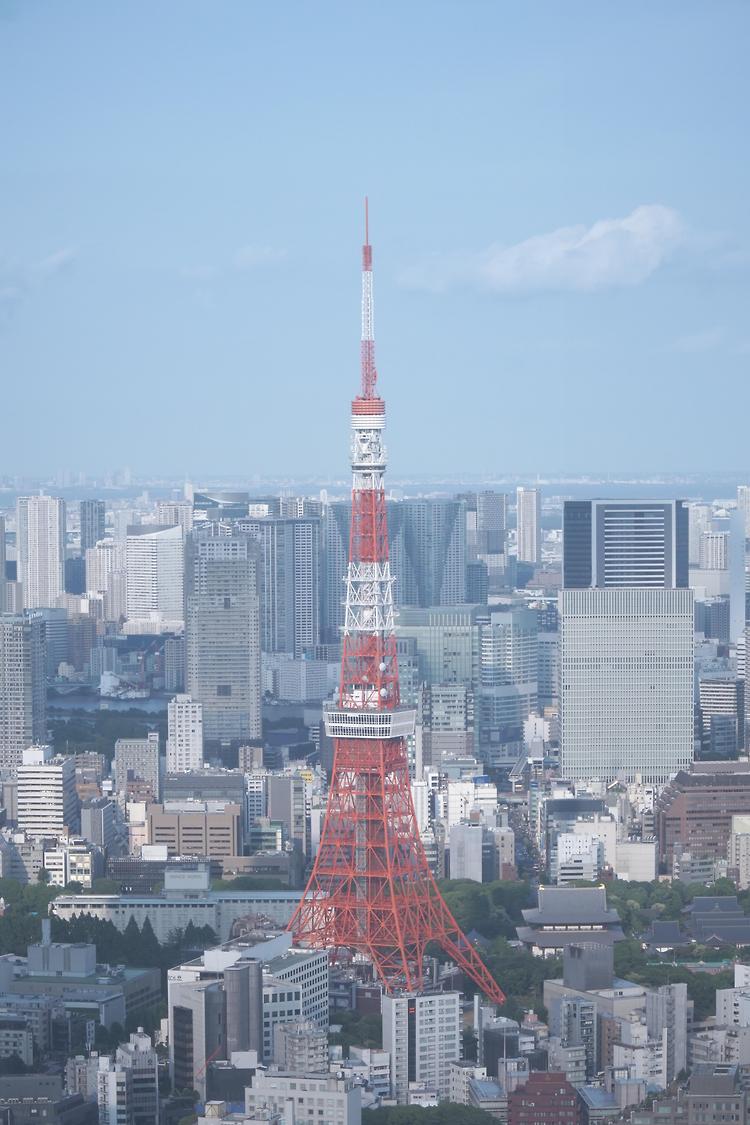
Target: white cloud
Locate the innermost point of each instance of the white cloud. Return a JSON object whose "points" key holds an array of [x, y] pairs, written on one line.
{"points": [[609, 253], [706, 341], [17, 280], [249, 257]]}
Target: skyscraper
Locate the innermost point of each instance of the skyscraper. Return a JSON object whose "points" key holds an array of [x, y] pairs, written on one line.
{"points": [[699, 520], [428, 551], [222, 633], [623, 543], [40, 537], [508, 693], [722, 711], [23, 700], [743, 504], [3, 605], [92, 523], [529, 524], [427, 555], [289, 586], [626, 640], [171, 513], [155, 569], [626, 674]]}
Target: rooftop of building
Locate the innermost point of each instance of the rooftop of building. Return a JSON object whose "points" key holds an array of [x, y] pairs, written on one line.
{"points": [[716, 779], [596, 1097], [486, 1089], [150, 900], [712, 1079], [571, 906], [292, 957]]}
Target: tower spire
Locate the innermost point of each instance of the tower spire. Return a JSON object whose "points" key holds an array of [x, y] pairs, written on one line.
{"points": [[371, 889], [369, 374]]}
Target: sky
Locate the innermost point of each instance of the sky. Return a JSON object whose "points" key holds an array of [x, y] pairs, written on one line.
{"points": [[558, 204]]}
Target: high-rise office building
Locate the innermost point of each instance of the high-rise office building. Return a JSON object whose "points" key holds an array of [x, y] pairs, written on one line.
{"points": [[626, 675], [743, 504], [722, 709], [3, 604], [508, 679], [47, 800], [222, 634], [427, 556], [334, 559], [448, 722], [185, 734], [92, 516], [486, 522], [23, 700], [447, 642], [713, 550], [529, 525], [40, 538], [699, 520], [106, 574], [154, 560], [422, 1033], [621, 543], [489, 568], [289, 587], [428, 551], [175, 513]]}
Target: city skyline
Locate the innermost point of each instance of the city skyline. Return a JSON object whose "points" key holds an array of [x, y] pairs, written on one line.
{"points": [[535, 239]]}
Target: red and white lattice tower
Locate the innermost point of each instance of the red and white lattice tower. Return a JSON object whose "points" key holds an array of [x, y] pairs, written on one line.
{"points": [[371, 889]]}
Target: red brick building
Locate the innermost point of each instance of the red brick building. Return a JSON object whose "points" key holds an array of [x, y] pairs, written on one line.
{"points": [[696, 809], [546, 1099]]}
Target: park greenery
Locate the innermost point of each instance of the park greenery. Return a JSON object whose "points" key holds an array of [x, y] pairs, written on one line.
{"points": [[357, 1029], [447, 1113], [97, 731], [493, 910], [488, 912]]}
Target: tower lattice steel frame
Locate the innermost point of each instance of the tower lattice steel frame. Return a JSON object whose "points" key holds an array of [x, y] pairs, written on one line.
{"points": [[371, 889]]}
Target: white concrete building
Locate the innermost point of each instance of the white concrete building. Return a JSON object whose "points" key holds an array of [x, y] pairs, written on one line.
{"points": [[40, 537], [23, 699], [626, 670], [738, 851], [155, 561], [305, 1098], [422, 1034], [466, 846], [529, 522], [47, 800], [733, 1006], [635, 860], [185, 734], [128, 1085], [644, 1056]]}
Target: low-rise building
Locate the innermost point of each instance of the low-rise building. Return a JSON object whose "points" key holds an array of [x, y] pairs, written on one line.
{"points": [[309, 1097], [568, 915], [186, 897]]}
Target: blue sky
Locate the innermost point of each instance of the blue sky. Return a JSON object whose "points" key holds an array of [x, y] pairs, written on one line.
{"points": [[558, 211]]}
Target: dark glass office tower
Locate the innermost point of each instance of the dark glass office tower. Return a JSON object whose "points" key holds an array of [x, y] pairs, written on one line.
{"points": [[616, 544], [92, 523]]}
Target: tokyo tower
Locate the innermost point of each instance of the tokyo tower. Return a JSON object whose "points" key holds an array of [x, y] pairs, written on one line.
{"points": [[371, 889]]}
